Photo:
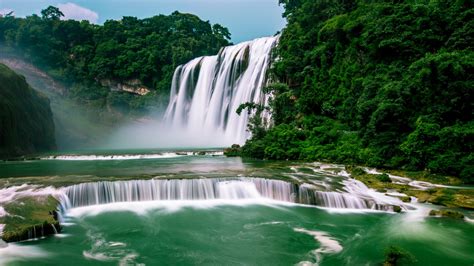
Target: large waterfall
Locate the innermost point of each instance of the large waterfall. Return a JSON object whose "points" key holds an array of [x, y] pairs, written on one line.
{"points": [[207, 91]]}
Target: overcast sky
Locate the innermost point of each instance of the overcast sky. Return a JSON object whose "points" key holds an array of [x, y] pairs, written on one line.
{"points": [[246, 19]]}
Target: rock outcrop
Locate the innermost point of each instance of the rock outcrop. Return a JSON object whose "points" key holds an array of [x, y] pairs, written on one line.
{"points": [[134, 86], [26, 120]]}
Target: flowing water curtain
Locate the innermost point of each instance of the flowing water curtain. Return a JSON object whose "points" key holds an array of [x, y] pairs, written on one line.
{"points": [[207, 91], [105, 192]]}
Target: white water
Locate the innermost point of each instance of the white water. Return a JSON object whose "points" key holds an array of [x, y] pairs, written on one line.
{"points": [[328, 244], [207, 91], [12, 252], [87, 194], [215, 191], [93, 157]]}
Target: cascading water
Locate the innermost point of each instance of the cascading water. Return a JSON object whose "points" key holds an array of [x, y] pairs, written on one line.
{"points": [[207, 91], [88, 194]]}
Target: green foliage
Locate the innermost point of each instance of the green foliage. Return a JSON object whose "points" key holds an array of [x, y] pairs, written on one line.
{"points": [[85, 54], [26, 120], [233, 151], [383, 83], [384, 178], [51, 13], [394, 255]]}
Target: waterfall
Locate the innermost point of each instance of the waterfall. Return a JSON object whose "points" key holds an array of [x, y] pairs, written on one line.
{"points": [[206, 92], [104, 192]]}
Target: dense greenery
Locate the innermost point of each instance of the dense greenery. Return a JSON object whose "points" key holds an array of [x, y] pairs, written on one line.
{"points": [[85, 55], [26, 120], [383, 83]]}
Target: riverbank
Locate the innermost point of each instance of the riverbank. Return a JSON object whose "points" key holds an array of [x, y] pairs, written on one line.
{"points": [[447, 194]]}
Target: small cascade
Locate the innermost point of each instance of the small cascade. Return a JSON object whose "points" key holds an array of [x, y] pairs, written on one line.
{"points": [[87, 194], [207, 91], [340, 200], [105, 192]]}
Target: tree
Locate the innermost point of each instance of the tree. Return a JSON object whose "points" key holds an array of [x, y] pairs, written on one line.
{"points": [[51, 13]]}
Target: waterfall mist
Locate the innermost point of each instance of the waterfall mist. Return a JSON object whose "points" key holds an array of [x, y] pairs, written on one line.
{"points": [[154, 133], [205, 95], [76, 126]]}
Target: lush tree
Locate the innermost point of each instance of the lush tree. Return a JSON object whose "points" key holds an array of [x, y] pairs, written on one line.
{"points": [[82, 55], [383, 83], [51, 13]]}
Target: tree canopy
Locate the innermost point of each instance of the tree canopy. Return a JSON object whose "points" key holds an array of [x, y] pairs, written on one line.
{"points": [[382, 83], [82, 54]]}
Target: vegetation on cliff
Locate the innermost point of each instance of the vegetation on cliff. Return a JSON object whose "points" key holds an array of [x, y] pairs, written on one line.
{"points": [[381, 83], [128, 51], [26, 120]]}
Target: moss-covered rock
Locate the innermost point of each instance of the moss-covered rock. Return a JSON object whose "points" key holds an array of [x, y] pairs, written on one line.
{"points": [[406, 199], [30, 217], [453, 198], [394, 255], [397, 208], [26, 120], [447, 213], [449, 197]]}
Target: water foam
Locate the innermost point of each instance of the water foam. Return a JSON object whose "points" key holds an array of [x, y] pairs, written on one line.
{"points": [[94, 157], [13, 252], [328, 244]]}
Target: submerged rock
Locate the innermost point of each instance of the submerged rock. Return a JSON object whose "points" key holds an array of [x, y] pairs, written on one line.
{"points": [[447, 213]]}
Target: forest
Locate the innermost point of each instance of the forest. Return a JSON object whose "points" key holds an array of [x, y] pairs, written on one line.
{"points": [[380, 83], [83, 55]]}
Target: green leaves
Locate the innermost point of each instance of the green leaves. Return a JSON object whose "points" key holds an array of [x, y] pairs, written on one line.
{"points": [[51, 13], [146, 49], [396, 76]]}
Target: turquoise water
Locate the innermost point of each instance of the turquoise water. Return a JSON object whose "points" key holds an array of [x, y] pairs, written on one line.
{"points": [[207, 232], [251, 235]]}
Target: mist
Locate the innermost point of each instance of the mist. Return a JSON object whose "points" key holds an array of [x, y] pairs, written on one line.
{"points": [[155, 133], [76, 126]]}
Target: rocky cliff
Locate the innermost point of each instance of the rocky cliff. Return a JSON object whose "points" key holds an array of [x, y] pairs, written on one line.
{"points": [[26, 120]]}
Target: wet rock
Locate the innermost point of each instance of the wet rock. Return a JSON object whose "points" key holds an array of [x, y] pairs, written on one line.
{"points": [[397, 208], [447, 213]]}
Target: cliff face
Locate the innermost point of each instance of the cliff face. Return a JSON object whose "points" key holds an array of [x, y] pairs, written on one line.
{"points": [[26, 120], [134, 86]]}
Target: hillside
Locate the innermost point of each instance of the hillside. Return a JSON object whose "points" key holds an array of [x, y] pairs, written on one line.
{"points": [[382, 83], [26, 120], [125, 65]]}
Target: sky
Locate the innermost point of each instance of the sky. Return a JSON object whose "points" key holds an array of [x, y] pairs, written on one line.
{"points": [[246, 19]]}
